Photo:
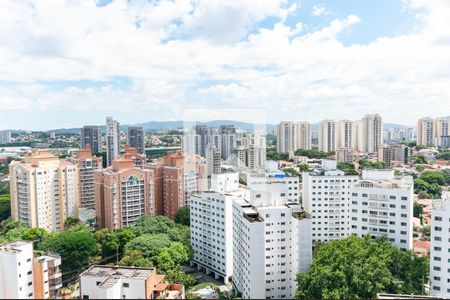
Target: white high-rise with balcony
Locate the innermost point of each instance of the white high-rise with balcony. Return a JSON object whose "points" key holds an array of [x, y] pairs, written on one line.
{"points": [[271, 243], [441, 130], [326, 197], [292, 136], [212, 225], [327, 135], [382, 205], [440, 247], [370, 133]]}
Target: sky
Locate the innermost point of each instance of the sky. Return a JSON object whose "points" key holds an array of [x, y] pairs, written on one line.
{"points": [[71, 63]]}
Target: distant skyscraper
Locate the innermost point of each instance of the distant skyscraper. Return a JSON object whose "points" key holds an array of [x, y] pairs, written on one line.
{"points": [[344, 155], [425, 132], [229, 140], [5, 136], [292, 136], [91, 135], [370, 133], [213, 160], [327, 135], [392, 154], [112, 140], [346, 134], [442, 130], [135, 139]]}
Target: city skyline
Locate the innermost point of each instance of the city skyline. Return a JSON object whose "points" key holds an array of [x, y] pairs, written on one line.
{"points": [[66, 63]]}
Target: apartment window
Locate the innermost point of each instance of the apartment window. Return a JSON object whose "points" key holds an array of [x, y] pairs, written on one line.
{"points": [[392, 197], [98, 282], [438, 218], [392, 205], [437, 258], [437, 228], [438, 248], [85, 297], [364, 195], [126, 285], [30, 283], [404, 198]]}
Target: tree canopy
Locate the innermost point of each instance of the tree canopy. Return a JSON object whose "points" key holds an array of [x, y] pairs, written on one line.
{"points": [[359, 268], [313, 153], [182, 216]]}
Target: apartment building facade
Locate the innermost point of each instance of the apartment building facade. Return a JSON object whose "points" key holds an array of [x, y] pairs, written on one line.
{"points": [[382, 205], [92, 136], [44, 190]]}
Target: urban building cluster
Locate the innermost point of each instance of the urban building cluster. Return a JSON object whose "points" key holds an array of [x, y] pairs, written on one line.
{"points": [[253, 224]]}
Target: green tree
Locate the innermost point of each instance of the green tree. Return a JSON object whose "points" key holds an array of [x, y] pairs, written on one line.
{"points": [[135, 258], [359, 268], [183, 216], [438, 177], [75, 248], [420, 160], [313, 153], [417, 210], [149, 244], [303, 168], [154, 224], [177, 276], [444, 155], [431, 189], [420, 147], [5, 207]]}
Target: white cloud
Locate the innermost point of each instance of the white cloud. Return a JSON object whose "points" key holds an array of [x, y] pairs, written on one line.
{"points": [[319, 10], [168, 49]]}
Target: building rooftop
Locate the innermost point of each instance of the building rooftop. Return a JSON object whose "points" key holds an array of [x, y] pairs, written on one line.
{"points": [[13, 247], [114, 273]]}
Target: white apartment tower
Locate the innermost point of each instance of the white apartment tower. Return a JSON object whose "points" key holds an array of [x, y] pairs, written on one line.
{"points": [[370, 133], [346, 134], [326, 197], [327, 135], [292, 136], [271, 244], [439, 247], [212, 160], [254, 145], [441, 130], [112, 140], [44, 190], [382, 205], [16, 271], [425, 132], [212, 225]]}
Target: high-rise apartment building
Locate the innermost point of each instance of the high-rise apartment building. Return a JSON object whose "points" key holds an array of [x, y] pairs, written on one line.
{"points": [[123, 194], [44, 190], [5, 136], [292, 136], [327, 135], [425, 131], [213, 160], [91, 135], [382, 205], [136, 138], [229, 140], [27, 276], [326, 197], [212, 225], [271, 243], [346, 134], [439, 247], [441, 130], [112, 140], [176, 176], [392, 155], [370, 133], [252, 153], [87, 164]]}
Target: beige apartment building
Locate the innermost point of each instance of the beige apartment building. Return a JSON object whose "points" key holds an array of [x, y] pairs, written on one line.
{"points": [[87, 164], [44, 190]]}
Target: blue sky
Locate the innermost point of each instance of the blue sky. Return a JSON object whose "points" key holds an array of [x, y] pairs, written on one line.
{"points": [[66, 64]]}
